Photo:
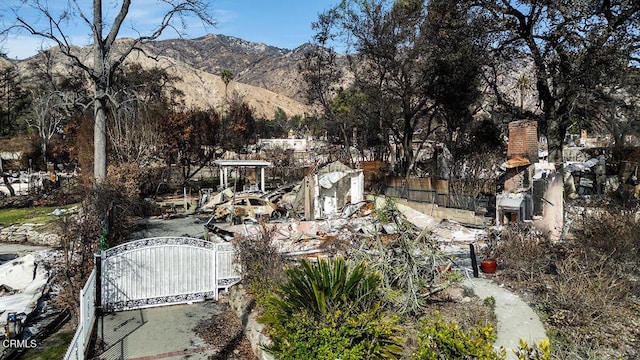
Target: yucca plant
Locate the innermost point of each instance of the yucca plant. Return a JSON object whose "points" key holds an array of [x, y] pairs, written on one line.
{"points": [[327, 310], [326, 286]]}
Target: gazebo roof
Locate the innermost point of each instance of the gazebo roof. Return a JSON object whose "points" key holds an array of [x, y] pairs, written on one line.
{"points": [[224, 163]]}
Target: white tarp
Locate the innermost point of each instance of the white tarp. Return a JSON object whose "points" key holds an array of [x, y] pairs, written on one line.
{"points": [[27, 280]]}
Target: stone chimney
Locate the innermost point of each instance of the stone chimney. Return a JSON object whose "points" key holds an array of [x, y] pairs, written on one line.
{"points": [[523, 140]]}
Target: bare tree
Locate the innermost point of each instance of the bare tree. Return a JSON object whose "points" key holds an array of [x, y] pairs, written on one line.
{"points": [[107, 57], [49, 110]]}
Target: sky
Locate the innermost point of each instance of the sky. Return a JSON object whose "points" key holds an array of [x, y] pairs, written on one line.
{"points": [[281, 23]]}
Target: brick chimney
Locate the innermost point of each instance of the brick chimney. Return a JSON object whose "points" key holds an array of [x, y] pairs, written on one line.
{"points": [[523, 140]]}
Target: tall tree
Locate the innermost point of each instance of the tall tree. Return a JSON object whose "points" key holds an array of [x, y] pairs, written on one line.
{"points": [[239, 127], [143, 96], [190, 139], [226, 76], [49, 110], [322, 71], [577, 48], [457, 50], [55, 99], [412, 67], [13, 101], [383, 45], [107, 57]]}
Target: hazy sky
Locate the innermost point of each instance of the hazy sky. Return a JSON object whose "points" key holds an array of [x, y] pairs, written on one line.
{"points": [[282, 23]]}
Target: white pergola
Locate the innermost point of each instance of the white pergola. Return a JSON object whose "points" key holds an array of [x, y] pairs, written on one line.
{"points": [[224, 166]]}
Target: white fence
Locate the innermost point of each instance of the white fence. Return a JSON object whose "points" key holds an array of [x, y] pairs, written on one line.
{"points": [[78, 346]]}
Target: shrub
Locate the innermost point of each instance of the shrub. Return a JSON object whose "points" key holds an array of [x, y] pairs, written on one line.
{"points": [[370, 334], [523, 253], [613, 233], [539, 351], [412, 267], [326, 310], [441, 340], [261, 264], [85, 233], [585, 285]]}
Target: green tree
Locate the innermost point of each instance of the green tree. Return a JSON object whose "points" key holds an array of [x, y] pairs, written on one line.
{"points": [[281, 121], [415, 68], [226, 76], [13, 102], [457, 53], [389, 67]]}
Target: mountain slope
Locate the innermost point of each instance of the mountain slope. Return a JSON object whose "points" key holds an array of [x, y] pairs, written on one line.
{"points": [[256, 64], [264, 76]]}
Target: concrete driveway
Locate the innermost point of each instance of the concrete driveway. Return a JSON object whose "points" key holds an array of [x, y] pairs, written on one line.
{"points": [[157, 333]]}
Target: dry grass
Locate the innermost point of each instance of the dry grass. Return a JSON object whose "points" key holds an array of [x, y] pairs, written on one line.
{"points": [[261, 263], [585, 289]]}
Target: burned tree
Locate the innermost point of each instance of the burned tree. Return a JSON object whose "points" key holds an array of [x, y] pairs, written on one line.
{"points": [[108, 55]]}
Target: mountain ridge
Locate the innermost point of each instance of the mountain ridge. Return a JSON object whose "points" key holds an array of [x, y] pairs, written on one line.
{"points": [[264, 76]]}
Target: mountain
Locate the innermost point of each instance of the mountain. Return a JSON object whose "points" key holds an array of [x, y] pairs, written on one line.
{"points": [[266, 77], [256, 64]]}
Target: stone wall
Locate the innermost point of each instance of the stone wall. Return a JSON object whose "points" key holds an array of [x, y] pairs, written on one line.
{"points": [[238, 301], [28, 234]]}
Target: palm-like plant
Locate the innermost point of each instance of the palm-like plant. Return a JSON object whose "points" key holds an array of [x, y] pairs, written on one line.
{"points": [[333, 307], [327, 286]]}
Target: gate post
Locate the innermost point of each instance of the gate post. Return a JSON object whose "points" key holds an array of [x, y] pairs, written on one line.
{"points": [[98, 257]]}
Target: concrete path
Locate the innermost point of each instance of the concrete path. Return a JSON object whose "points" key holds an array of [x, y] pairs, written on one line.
{"points": [[516, 319], [157, 333], [191, 226]]}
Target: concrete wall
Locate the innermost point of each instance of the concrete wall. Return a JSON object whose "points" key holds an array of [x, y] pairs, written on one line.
{"points": [[552, 220], [440, 213]]}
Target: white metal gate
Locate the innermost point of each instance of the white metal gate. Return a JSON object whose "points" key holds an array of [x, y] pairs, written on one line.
{"points": [[165, 270]]}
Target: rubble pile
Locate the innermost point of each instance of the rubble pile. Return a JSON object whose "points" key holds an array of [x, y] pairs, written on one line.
{"points": [[28, 233]]}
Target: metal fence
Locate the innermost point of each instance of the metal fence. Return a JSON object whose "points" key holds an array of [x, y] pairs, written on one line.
{"points": [[78, 346], [436, 192]]}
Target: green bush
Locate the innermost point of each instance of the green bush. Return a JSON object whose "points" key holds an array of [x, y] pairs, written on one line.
{"points": [[539, 351], [439, 339], [326, 310], [367, 335]]}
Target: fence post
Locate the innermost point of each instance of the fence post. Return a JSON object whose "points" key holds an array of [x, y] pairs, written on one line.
{"points": [[98, 301], [474, 261]]}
